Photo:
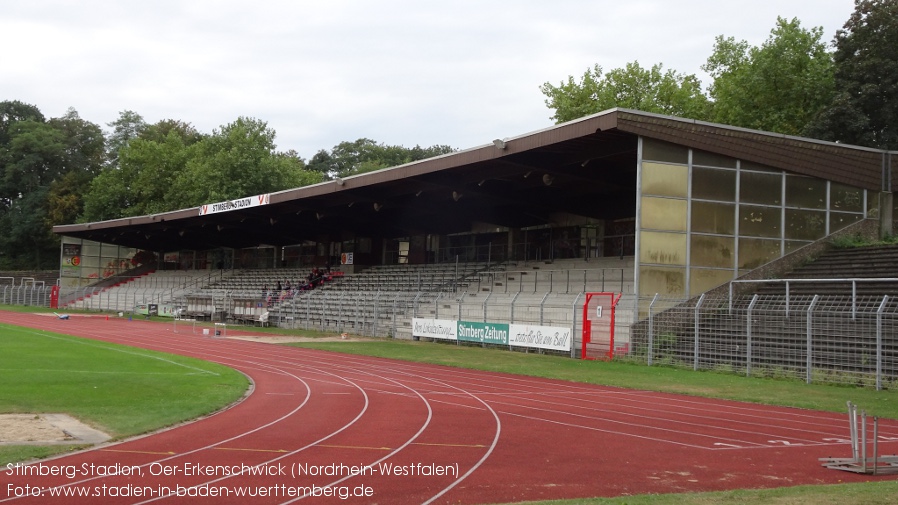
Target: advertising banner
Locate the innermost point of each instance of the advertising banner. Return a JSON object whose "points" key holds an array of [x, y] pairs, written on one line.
{"points": [[229, 205], [71, 260], [554, 338], [444, 329], [486, 333]]}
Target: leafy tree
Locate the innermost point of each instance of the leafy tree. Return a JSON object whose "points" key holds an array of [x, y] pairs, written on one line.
{"points": [[366, 155], [129, 125], [147, 168], [865, 108], [33, 157], [26, 241], [12, 111], [236, 161], [83, 158], [45, 166], [632, 87], [777, 87]]}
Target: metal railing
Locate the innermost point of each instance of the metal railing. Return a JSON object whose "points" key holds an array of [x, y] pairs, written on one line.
{"points": [[28, 295], [840, 339], [567, 281], [854, 281]]}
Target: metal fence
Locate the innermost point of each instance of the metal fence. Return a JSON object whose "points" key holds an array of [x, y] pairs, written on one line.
{"points": [[819, 339], [37, 296], [850, 340], [567, 281]]}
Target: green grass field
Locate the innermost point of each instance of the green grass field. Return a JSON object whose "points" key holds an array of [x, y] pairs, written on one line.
{"points": [[120, 390]]}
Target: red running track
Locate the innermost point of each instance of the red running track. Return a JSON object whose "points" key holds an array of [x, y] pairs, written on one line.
{"points": [[401, 433]]}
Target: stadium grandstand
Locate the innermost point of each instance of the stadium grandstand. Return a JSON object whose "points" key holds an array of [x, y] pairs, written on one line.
{"points": [[660, 212]]}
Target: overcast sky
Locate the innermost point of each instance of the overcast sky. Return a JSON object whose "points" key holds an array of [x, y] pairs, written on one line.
{"points": [[457, 73]]}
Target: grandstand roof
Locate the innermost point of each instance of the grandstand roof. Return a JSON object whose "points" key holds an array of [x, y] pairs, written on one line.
{"points": [[584, 167]]}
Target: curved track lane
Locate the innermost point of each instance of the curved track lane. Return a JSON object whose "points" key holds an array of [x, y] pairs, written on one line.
{"points": [[320, 423]]}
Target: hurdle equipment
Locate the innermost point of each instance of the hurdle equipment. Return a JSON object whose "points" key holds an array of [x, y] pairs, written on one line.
{"points": [[221, 330], [859, 462]]}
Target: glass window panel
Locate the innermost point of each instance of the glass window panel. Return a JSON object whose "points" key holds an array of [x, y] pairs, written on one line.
{"points": [[757, 221], [713, 184], [664, 180], [792, 245], [90, 273], [665, 281], [755, 252], [805, 192], [805, 224], [662, 248], [701, 279], [90, 248], [717, 218], [664, 151], [845, 198], [619, 246], [712, 160], [709, 251], [663, 214], [760, 188], [839, 220]]}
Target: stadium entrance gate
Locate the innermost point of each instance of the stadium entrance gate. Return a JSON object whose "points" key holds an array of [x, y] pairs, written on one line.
{"points": [[598, 325]]}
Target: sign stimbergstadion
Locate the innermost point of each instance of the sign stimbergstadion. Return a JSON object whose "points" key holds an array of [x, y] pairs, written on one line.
{"points": [[229, 205]]}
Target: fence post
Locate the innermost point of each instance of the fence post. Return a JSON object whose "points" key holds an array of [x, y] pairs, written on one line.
{"points": [[809, 325], [393, 329], [698, 306], [574, 323], [541, 307], [308, 324], [651, 349], [787, 299], [340, 321], [882, 307], [513, 299], [730, 302], [374, 323], [751, 306]]}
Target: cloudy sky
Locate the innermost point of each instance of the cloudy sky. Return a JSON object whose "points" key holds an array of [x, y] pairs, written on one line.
{"points": [[457, 72]]}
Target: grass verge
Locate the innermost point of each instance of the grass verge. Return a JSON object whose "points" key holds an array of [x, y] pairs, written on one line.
{"points": [[120, 390]]}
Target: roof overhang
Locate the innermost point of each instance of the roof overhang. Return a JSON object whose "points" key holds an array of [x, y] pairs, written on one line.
{"points": [[584, 168]]}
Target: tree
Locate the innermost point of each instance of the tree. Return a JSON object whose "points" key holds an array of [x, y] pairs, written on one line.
{"points": [[236, 161], [147, 168], [45, 167], [366, 155], [25, 240], [865, 108], [12, 111], [33, 157], [129, 125], [631, 87], [780, 86]]}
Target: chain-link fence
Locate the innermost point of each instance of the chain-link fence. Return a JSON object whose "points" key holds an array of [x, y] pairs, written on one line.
{"points": [[820, 339]]}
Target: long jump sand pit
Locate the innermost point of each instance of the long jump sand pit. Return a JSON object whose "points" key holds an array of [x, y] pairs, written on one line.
{"points": [[47, 429]]}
